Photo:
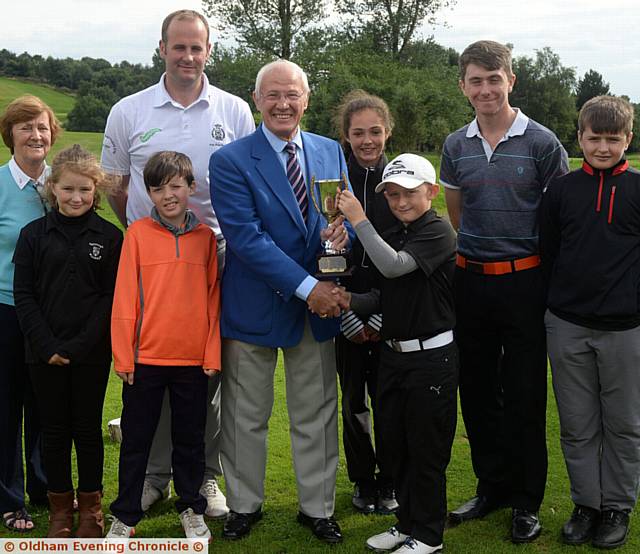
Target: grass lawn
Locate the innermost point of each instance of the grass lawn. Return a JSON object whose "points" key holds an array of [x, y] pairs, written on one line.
{"points": [[279, 533]]}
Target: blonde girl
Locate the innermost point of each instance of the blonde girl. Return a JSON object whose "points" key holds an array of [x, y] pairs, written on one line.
{"points": [[65, 269]]}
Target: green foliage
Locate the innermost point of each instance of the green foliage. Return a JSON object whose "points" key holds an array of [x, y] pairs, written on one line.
{"points": [[422, 93], [89, 113], [589, 86], [418, 80], [97, 83], [106, 87], [635, 142], [235, 70], [544, 91]]}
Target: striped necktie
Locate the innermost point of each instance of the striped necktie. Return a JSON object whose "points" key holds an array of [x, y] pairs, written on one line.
{"points": [[294, 174]]}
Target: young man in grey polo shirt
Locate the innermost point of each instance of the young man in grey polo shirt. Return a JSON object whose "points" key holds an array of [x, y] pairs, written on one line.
{"points": [[495, 170]]}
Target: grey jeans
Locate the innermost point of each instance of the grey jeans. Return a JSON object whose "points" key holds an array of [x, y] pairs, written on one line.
{"points": [[596, 379]]}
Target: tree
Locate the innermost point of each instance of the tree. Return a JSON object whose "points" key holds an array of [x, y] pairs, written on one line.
{"points": [[393, 22], [544, 91], [91, 109], [635, 141], [266, 26], [590, 86], [423, 96], [235, 70]]}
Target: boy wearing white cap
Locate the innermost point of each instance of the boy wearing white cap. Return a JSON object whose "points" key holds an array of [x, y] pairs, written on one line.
{"points": [[418, 374]]}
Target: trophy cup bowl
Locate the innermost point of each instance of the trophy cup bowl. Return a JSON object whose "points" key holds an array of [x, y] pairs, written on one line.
{"points": [[332, 263]]}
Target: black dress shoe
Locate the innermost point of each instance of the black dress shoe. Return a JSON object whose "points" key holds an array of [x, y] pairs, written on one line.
{"points": [[612, 529], [525, 526], [581, 525], [324, 528], [364, 499], [476, 508], [238, 525]]}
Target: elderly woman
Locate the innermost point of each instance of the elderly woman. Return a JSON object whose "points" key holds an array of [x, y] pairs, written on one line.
{"points": [[29, 128]]}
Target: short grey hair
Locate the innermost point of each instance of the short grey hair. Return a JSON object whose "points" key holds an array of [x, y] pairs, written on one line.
{"points": [[271, 65]]}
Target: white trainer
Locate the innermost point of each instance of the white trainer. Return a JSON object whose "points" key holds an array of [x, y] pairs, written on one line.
{"points": [[194, 525], [383, 542], [119, 530], [152, 494], [412, 546], [216, 500]]}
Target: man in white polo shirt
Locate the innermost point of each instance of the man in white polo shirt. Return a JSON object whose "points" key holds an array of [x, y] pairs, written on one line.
{"points": [[183, 112]]}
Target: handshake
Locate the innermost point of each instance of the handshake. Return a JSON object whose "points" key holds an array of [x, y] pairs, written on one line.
{"points": [[328, 299]]}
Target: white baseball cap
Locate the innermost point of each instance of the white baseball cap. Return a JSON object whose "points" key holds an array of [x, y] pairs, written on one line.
{"points": [[409, 171]]}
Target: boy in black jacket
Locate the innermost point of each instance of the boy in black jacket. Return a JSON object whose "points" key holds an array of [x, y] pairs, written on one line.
{"points": [[590, 246]]}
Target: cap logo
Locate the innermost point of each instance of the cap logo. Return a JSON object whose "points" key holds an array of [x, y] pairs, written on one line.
{"points": [[397, 168]]}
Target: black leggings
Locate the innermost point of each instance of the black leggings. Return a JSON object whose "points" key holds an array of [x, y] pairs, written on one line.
{"points": [[70, 400]]}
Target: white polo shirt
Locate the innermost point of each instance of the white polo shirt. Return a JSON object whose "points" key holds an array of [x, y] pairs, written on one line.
{"points": [[150, 121]]}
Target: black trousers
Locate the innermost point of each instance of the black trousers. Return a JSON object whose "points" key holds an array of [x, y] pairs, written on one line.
{"points": [[141, 403], [70, 400], [16, 399], [503, 382], [357, 366], [417, 412]]}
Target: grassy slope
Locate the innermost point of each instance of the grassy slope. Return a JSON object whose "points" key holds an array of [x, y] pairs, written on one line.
{"points": [[278, 532], [60, 102]]}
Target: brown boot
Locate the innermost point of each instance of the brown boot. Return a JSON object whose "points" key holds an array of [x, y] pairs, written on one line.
{"points": [[60, 514], [91, 524]]}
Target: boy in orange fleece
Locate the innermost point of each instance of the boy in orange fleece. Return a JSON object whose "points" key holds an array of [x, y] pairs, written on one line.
{"points": [[165, 333]]}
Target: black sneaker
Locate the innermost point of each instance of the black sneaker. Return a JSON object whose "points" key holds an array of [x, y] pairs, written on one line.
{"points": [[386, 503], [581, 526], [364, 499], [612, 530]]}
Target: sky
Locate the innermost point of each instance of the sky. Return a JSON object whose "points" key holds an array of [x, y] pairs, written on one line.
{"points": [[588, 34]]}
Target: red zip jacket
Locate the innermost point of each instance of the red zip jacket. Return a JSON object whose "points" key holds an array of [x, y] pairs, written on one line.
{"points": [[166, 304]]}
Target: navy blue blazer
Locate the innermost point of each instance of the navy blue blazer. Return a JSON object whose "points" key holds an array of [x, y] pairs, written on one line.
{"points": [[270, 250]]}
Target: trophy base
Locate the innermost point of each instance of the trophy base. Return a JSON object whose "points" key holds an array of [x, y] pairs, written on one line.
{"points": [[333, 266]]}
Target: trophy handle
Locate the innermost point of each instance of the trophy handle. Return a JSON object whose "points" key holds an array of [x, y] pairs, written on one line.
{"points": [[313, 194], [345, 182]]}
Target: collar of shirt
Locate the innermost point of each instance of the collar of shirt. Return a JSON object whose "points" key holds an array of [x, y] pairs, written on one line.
{"points": [[55, 220], [163, 97], [191, 221], [22, 179], [278, 146], [414, 225], [518, 127]]}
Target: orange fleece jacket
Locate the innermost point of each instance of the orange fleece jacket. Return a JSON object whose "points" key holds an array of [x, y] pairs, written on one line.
{"points": [[166, 304]]}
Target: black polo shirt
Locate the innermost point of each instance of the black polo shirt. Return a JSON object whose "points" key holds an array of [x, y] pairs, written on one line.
{"points": [[63, 286], [420, 304]]}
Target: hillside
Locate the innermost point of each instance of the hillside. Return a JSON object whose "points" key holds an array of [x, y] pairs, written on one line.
{"points": [[61, 104]]}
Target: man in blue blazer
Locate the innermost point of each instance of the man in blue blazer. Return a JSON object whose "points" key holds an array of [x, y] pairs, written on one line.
{"points": [[270, 300]]}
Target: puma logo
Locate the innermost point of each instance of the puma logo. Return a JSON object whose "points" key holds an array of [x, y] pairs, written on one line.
{"points": [[436, 389]]}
